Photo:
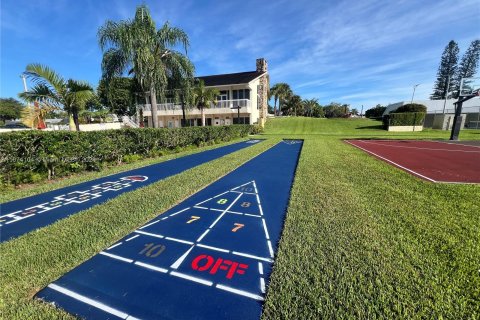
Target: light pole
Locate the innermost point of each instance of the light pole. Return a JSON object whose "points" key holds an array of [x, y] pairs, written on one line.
{"points": [[413, 94], [25, 89]]}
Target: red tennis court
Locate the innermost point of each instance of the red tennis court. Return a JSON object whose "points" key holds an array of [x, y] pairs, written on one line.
{"points": [[430, 160]]}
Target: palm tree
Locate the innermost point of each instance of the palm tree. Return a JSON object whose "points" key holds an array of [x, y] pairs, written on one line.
{"points": [[309, 106], [203, 97], [137, 47], [282, 92], [52, 90], [274, 92]]}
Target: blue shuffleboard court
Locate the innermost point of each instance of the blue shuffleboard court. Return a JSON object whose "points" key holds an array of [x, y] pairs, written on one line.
{"points": [[210, 257], [27, 214]]}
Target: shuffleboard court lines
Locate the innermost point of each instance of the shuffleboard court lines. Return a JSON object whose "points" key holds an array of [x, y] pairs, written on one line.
{"points": [[24, 215], [209, 257]]}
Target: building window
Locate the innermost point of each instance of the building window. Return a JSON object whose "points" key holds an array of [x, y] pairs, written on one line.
{"points": [[241, 94], [241, 120], [222, 96]]}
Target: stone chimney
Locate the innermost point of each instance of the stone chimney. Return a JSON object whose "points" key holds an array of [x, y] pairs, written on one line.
{"points": [[262, 65]]}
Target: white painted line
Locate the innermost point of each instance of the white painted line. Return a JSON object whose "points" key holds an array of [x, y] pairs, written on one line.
{"points": [[262, 285], [270, 248], [213, 209], [149, 266], [221, 194], [255, 186], [203, 235], [149, 234], [174, 214], [115, 245], [178, 240], [253, 215], [204, 201], [260, 208], [420, 148], [18, 219], [131, 238], [453, 143], [258, 199], [132, 318], [223, 213], [240, 292], [114, 256], [265, 228], [212, 248], [8, 214], [234, 212], [235, 191], [392, 162], [251, 256], [260, 267], [198, 207], [148, 225], [179, 261], [88, 301], [184, 276], [164, 218]]}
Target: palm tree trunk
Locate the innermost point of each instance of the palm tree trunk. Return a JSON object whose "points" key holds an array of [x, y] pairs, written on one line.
{"points": [[203, 117], [71, 123], [75, 120], [184, 124], [275, 107], [153, 100]]}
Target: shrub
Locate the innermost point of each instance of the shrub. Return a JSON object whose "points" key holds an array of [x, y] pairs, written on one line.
{"points": [[411, 107], [403, 119], [29, 156]]}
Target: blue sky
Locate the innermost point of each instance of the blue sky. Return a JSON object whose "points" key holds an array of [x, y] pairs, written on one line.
{"points": [[356, 52]]}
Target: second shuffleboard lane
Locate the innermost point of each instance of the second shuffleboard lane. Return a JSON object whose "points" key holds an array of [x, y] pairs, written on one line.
{"points": [[24, 215], [210, 257]]}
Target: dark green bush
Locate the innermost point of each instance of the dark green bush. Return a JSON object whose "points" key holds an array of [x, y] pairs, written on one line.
{"points": [[403, 119], [29, 156], [411, 107]]}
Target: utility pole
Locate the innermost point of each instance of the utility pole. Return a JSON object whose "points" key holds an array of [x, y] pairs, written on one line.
{"points": [[413, 94]]}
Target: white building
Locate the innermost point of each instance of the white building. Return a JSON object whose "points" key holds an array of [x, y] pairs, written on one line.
{"points": [[440, 112], [247, 90]]}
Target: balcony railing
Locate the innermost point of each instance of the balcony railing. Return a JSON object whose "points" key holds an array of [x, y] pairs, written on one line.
{"points": [[224, 105]]}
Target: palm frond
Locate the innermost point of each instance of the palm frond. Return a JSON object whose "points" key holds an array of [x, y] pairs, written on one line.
{"points": [[41, 74]]}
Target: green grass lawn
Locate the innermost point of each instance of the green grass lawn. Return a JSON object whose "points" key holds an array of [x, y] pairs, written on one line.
{"points": [[362, 239]]}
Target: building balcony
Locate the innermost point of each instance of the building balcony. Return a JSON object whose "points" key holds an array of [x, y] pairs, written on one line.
{"points": [[221, 107]]}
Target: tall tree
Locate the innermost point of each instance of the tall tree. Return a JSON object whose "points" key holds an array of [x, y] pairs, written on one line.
{"points": [[293, 105], [203, 97], [468, 64], [137, 47], [51, 90], [10, 109], [309, 105], [117, 94], [446, 71], [280, 92]]}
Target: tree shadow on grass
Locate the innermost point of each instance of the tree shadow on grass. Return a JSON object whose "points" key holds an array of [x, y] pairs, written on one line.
{"points": [[378, 127]]}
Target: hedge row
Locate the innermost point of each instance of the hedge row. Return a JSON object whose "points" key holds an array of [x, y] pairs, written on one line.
{"points": [[31, 156], [403, 119]]}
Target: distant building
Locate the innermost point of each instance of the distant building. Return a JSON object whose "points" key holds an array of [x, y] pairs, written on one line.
{"points": [[437, 106], [247, 90], [440, 112]]}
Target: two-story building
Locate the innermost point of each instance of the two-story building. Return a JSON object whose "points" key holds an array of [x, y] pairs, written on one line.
{"points": [[242, 99]]}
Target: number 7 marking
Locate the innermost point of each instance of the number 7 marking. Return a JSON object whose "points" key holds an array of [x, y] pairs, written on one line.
{"points": [[193, 218], [237, 226]]}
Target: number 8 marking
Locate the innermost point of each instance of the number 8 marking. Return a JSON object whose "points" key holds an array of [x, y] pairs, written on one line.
{"points": [[245, 204], [222, 201]]}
